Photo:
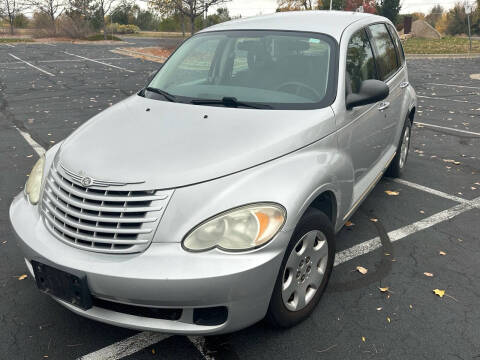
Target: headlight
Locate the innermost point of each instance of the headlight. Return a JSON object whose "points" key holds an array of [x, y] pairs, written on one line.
{"points": [[238, 229], [34, 182]]}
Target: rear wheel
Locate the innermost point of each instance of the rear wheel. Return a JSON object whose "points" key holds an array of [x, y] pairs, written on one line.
{"points": [[400, 160], [305, 270]]}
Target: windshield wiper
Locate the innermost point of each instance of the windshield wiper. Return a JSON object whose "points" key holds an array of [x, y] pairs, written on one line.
{"points": [[229, 102], [165, 94]]}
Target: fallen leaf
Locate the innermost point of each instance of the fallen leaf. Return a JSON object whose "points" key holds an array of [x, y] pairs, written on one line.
{"points": [[362, 270], [392, 193], [428, 274], [384, 289], [363, 339], [439, 292], [388, 319], [452, 161], [443, 253], [24, 276], [373, 220], [349, 223]]}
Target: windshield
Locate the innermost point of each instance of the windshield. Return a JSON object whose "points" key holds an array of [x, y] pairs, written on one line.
{"points": [[277, 69]]}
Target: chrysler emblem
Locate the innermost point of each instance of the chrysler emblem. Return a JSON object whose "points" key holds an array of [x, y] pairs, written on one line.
{"points": [[87, 181]]}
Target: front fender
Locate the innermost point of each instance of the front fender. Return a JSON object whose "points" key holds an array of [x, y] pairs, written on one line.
{"points": [[293, 181]]}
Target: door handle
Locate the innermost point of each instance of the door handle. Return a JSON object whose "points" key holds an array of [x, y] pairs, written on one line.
{"points": [[383, 105], [404, 84]]}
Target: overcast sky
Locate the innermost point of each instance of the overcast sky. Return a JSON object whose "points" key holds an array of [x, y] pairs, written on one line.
{"points": [[255, 7]]}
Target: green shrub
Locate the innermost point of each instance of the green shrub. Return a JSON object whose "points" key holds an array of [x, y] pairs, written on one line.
{"points": [[122, 29]]}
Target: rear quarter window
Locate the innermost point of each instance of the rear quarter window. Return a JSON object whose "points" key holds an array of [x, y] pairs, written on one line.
{"points": [[386, 53], [398, 44]]}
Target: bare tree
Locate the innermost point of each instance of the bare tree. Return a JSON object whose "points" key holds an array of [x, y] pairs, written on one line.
{"points": [[104, 7], [9, 9], [296, 4], [52, 8], [189, 8]]}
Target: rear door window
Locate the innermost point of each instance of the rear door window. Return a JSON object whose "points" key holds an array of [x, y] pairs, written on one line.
{"points": [[360, 61], [386, 56]]}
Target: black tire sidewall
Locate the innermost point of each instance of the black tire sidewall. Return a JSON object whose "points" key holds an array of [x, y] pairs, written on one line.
{"points": [[394, 170], [278, 315]]}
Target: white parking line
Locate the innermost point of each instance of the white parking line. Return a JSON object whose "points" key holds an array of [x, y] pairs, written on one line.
{"points": [[459, 86], [31, 65], [126, 347], [8, 45], [99, 62], [439, 98], [429, 190], [447, 128], [67, 60], [80, 60], [395, 235], [36, 146]]}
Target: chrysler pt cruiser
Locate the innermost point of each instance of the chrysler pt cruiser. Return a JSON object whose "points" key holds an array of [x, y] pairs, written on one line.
{"points": [[210, 199]]}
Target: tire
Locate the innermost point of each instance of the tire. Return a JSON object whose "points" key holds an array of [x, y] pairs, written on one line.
{"points": [[316, 230], [399, 162]]}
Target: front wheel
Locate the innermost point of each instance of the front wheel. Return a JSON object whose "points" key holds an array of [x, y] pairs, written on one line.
{"points": [[305, 270], [400, 160]]}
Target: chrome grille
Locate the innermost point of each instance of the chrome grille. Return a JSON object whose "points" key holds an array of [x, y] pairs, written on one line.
{"points": [[102, 220]]}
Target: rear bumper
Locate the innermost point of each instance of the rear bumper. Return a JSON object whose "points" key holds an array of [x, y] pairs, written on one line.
{"points": [[163, 276]]}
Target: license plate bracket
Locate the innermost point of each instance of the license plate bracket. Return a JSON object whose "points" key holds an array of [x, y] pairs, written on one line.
{"points": [[71, 288]]}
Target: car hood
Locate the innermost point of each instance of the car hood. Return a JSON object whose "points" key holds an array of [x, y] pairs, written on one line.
{"points": [[166, 145]]}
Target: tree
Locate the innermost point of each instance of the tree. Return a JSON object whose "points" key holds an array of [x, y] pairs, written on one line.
{"points": [[368, 5], [291, 5], [336, 4], [389, 9], [168, 9], [457, 20], [475, 18], [125, 13], [435, 15], [76, 21], [21, 21], [51, 8], [102, 9], [9, 10], [189, 8]]}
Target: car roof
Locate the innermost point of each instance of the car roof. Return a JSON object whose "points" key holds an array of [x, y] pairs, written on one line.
{"points": [[327, 22]]}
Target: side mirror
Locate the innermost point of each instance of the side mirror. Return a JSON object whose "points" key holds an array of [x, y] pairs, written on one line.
{"points": [[370, 92]]}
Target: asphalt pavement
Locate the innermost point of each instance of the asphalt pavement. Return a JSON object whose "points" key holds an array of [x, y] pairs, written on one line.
{"points": [[48, 91]]}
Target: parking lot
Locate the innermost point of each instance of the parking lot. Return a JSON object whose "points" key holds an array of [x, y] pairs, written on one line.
{"points": [[429, 225]]}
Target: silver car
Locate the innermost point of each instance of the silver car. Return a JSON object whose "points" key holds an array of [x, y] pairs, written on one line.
{"points": [[211, 198]]}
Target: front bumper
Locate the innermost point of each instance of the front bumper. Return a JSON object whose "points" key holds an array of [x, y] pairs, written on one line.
{"points": [[164, 276]]}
